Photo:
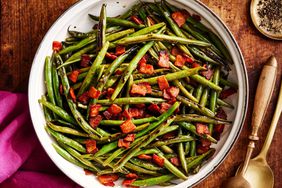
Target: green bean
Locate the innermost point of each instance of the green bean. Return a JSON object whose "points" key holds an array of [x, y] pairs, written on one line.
{"points": [[199, 118], [181, 153], [46, 111], [135, 121], [119, 22], [61, 138], [172, 76], [140, 169], [228, 83], [224, 103], [178, 139], [214, 95], [130, 11], [98, 61], [204, 97], [147, 151], [58, 111], [144, 164], [166, 149], [160, 37], [56, 85], [192, 128], [49, 80], [68, 157], [193, 149], [131, 100], [102, 27], [187, 148], [153, 181], [184, 91], [128, 87], [200, 159], [206, 82]]}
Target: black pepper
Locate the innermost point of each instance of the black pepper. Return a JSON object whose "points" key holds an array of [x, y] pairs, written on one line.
{"points": [[270, 14]]}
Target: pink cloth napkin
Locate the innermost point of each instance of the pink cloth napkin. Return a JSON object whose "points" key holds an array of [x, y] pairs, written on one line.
{"points": [[23, 162]]}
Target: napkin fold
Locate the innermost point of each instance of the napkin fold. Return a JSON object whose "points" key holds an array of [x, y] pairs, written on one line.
{"points": [[23, 162]]}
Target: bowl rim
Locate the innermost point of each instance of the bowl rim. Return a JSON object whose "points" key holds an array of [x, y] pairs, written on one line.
{"points": [[245, 84]]}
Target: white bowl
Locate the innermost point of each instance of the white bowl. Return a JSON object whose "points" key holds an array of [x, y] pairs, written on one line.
{"points": [[77, 16]]}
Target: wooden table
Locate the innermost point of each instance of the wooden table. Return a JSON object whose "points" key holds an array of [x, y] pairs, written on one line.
{"points": [[24, 23]]}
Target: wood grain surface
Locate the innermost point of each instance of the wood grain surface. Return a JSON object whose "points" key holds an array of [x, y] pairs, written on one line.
{"points": [[25, 22]]}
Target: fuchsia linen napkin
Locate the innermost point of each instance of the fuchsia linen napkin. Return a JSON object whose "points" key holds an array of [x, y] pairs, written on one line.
{"points": [[23, 162]]}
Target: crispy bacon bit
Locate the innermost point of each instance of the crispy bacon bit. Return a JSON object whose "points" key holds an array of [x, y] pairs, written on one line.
{"points": [[95, 121], [126, 114], [141, 106], [144, 59], [141, 88], [180, 61], [72, 94], [130, 137], [127, 126], [205, 142], [120, 50], [123, 144], [207, 73], [163, 83], [110, 91], [144, 157], [202, 129], [108, 179], [118, 72], [221, 114], [136, 112], [131, 176], [128, 182], [158, 160], [175, 161], [188, 59], [196, 17], [195, 65], [74, 75], [115, 109], [173, 91], [84, 98], [227, 92], [154, 108], [94, 110], [85, 60], [163, 59], [146, 68], [179, 18], [94, 93], [152, 22], [91, 146], [107, 114], [201, 150], [111, 56], [176, 51], [57, 46], [169, 135], [136, 20], [218, 128], [88, 172], [166, 95], [164, 107]]}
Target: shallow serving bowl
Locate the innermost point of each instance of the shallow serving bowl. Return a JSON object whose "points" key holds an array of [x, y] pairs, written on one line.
{"points": [[77, 16]]}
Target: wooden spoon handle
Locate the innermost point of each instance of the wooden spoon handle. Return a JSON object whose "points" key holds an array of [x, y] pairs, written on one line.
{"points": [[262, 98], [263, 95], [273, 126]]}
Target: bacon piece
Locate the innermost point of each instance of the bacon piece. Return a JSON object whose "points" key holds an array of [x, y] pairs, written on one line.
{"points": [[144, 157], [91, 146], [169, 135], [154, 108], [140, 106], [166, 95], [107, 114], [175, 161], [163, 83], [84, 98], [118, 72], [163, 59], [201, 150], [158, 160], [110, 56], [94, 93], [195, 65], [205, 142], [57, 46], [85, 60], [115, 109], [73, 76], [110, 91], [130, 137], [180, 61], [108, 179], [136, 112], [94, 110], [120, 50], [221, 114], [88, 172], [179, 18], [128, 182], [123, 144], [143, 60], [72, 94], [227, 92], [126, 114], [136, 19], [218, 128], [95, 121], [152, 22], [176, 51], [141, 89], [164, 107], [173, 91], [202, 129], [207, 73], [131, 176], [187, 58], [146, 68], [127, 126]]}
